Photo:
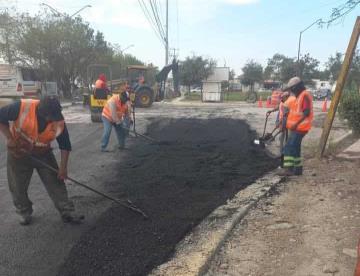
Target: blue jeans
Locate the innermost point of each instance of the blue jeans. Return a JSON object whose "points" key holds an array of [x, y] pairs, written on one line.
{"points": [[120, 133], [292, 152]]}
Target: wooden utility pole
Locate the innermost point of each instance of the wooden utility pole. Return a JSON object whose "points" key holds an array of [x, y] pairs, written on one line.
{"points": [[339, 87]]}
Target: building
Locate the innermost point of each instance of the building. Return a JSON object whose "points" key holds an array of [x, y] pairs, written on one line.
{"points": [[211, 87]]}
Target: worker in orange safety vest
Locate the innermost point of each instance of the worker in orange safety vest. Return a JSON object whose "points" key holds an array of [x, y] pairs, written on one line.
{"points": [[30, 126], [101, 82], [281, 119], [115, 113], [299, 123]]}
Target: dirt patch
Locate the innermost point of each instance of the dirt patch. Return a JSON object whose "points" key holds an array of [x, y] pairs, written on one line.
{"points": [[198, 165], [311, 227]]}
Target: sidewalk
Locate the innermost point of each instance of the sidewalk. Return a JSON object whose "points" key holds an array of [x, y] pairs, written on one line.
{"points": [[309, 226]]}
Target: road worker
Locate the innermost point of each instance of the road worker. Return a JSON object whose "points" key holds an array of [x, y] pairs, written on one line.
{"points": [[115, 113], [30, 126], [282, 108], [299, 123], [101, 82]]}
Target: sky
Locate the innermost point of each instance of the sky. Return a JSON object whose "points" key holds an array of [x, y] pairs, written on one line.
{"points": [[229, 31]]}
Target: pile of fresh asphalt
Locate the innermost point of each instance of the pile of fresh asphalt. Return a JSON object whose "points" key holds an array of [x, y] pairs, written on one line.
{"points": [[196, 167]]}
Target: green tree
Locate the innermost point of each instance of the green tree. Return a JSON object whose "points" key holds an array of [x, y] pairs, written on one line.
{"points": [[252, 73], [333, 65], [60, 47], [195, 69], [308, 68], [280, 68]]}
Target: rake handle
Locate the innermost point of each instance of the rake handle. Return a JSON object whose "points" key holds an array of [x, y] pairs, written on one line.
{"points": [[91, 189]]}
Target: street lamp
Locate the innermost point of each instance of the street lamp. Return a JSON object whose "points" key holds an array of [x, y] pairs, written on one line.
{"points": [[53, 10], [127, 47], [86, 6], [57, 13], [317, 21]]}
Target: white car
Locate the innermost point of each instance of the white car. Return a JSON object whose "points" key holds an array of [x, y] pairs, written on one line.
{"points": [[16, 82], [196, 90]]}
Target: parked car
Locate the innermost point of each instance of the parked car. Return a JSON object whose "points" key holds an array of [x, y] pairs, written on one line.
{"points": [[16, 81], [321, 94], [196, 90]]}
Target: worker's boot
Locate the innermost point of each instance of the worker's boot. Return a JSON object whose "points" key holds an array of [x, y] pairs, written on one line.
{"points": [[72, 218], [285, 172], [298, 170], [25, 219]]}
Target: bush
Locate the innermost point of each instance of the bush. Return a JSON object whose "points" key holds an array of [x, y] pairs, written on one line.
{"points": [[350, 110]]}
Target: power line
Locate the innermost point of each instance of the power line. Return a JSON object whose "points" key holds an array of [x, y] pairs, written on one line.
{"points": [[156, 17], [149, 19]]}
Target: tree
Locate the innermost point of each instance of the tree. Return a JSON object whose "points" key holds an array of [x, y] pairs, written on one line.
{"points": [[340, 12], [308, 68], [353, 79], [195, 69], [252, 73], [280, 68], [61, 47], [333, 65]]}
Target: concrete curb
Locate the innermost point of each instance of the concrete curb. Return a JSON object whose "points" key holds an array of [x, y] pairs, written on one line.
{"points": [[342, 138], [194, 253]]}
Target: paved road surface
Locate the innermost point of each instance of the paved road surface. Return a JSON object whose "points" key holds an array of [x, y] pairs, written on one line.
{"points": [[40, 248]]}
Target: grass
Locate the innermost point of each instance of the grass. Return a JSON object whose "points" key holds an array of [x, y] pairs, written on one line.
{"points": [[230, 96]]}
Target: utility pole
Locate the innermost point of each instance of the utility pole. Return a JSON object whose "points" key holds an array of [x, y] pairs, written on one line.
{"points": [[167, 34], [339, 88]]}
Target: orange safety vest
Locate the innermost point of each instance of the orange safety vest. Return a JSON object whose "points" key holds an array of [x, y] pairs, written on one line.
{"points": [[26, 126], [276, 98], [114, 110], [285, 105], [296, 113]]}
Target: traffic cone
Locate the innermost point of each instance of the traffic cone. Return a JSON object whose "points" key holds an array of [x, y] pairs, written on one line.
{"points": [[268, 102], [260, 102], [324, 105]]}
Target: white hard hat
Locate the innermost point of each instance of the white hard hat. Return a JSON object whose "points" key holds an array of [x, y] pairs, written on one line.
{"points": [[292, 82]]}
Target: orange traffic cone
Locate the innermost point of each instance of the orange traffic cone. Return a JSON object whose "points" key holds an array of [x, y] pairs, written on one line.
{"points": [[268, 102], [324, 105], [260, 102]]}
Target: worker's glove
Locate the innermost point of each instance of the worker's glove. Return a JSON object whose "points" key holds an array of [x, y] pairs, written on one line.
{"points": [[20, 147]]}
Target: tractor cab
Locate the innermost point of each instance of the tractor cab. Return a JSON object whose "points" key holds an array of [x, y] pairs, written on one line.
{"points": [[136, 77], [136, 74]]}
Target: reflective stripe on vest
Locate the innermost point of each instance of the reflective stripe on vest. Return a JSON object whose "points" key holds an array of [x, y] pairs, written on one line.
{"points": [[114, 110], [296, 113], [26, 126]]}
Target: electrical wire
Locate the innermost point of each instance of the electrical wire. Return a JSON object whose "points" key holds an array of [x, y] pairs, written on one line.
{"points": [[157, 19], [149, 19]]}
